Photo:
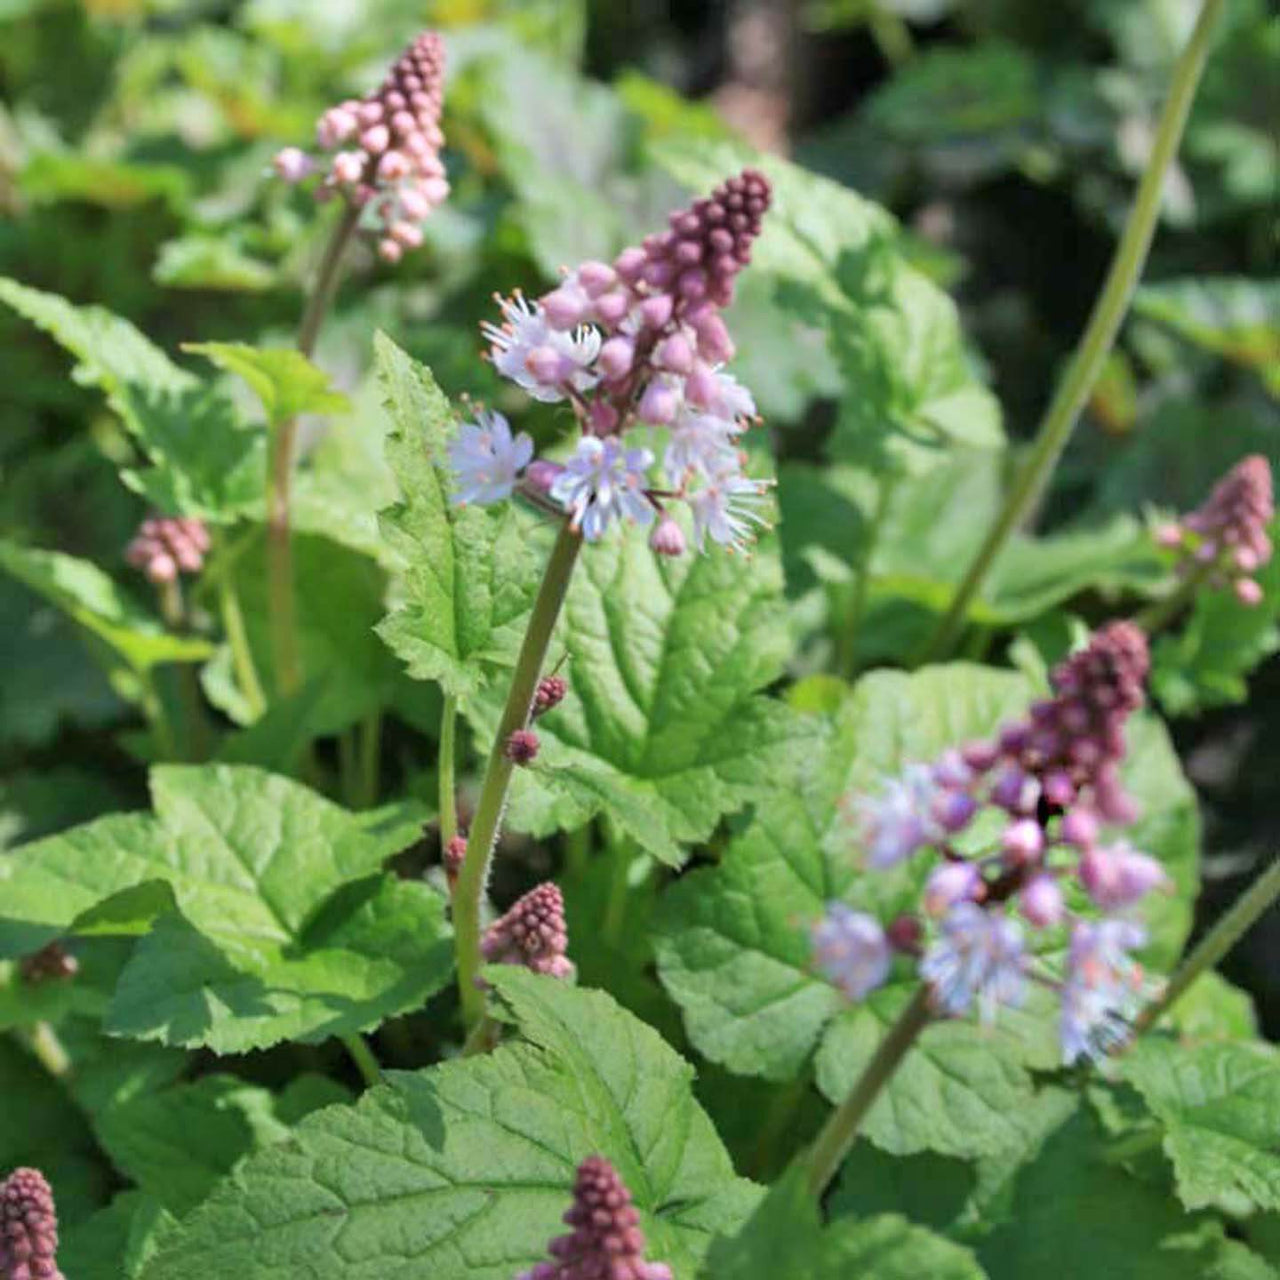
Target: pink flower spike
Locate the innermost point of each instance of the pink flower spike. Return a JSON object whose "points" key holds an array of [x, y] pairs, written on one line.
{"points": [[532, 934], [28, 1228], [605, 1242]]}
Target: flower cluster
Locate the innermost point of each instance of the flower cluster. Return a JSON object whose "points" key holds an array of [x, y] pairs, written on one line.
{"points": [[385, 149], [52, 963], [166, 546], [639, 341], [606, 1242], [1051, 781], [532, 934], [28, 1228], [1227, 536]]}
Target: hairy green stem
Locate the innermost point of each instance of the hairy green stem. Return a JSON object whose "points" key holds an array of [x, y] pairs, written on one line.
{"points": [[196, 738], [445, 768], [362, 1055], [1100, 334], [238, 640], [836, 1139], [474, 874], [1224, 935], [284, 626]]}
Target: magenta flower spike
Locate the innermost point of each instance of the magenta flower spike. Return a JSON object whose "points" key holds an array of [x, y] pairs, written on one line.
{"points": [[605, 1242], [639, 341], [28, 1228], [384, 149], [533, 934], [167, 546], [1053, 780], [1228, 533]]}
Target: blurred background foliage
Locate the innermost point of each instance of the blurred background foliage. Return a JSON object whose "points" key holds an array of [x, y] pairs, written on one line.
{"points": [[1003, 136]]}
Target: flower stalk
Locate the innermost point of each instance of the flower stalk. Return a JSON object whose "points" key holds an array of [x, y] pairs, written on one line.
{"points": [[837, 1137], [445, 768], [1099, 336], [482, 837], [1214, 946]]}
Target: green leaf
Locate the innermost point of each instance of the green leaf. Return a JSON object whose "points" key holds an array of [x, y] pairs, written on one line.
{"points": [[86, 594], [464, 1170], [663, 727], [1208, 662], [340, 595], [1218, 1103], [467, 574], [203, 463], [200, 261], [252, 943], [1233, 316], [1075, 1214], [1212, 1009], [178, 1143], [284, 380], [785, 1238], [732, 941], [54, 176]]}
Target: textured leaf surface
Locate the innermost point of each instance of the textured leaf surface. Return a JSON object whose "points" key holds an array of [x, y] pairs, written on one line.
{"points": [[203, 463], [468, 574], [1220, 1104], [252, 943], [785, 1238], [663, 727], [464, 1171]]}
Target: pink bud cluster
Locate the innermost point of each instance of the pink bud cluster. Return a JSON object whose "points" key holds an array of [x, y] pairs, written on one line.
{"points": [[1228, 534], [640, 340], [455, 854], [605, 1242], [166, 546], [549, 694], [28, 1228], [1053, 780], [386, 149], [532, 934], [52, 963]]}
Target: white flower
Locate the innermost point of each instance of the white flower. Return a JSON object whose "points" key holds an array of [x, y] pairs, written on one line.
{"points": [[541, 360], [979, 956], [851, 950], [727, 506], [698, 443], [604, 481], [732, 399], [486, 459], [1103, 987]]}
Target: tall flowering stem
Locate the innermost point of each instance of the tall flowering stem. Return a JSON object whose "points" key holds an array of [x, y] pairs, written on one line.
{"points": [[835, 1141], [474, 873], [1099, 337], [1214, 946], [386, 169]]}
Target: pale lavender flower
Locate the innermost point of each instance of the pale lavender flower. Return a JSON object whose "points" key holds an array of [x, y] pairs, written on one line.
{"points": [[978, 957], [699, 444], [1103, 987], [727, 506], [487, 460], [949, 884], [850, 950], [896, 822], [602, 482], [546, 362]]}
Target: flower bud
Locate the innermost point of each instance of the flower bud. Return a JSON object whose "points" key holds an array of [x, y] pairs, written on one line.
{"points": [[521, 748], [950, 883], [667, 538], [1042, 902]]}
